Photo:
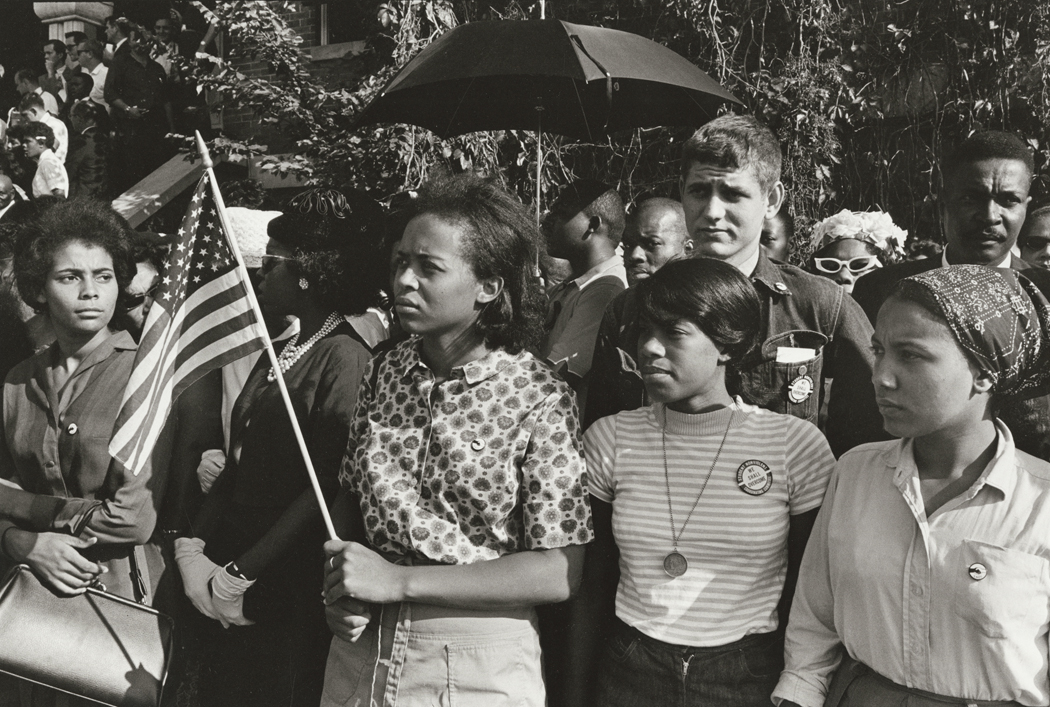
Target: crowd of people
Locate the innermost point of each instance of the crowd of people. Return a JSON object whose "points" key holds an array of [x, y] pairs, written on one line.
{"points": [[686, 473], [94, 123]]}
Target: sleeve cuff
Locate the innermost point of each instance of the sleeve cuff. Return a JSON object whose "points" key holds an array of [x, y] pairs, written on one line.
{"points": [[73, 515], [796, 689]]}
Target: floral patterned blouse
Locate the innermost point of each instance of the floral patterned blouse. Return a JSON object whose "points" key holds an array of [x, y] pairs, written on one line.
{"points": [[486, 463]]}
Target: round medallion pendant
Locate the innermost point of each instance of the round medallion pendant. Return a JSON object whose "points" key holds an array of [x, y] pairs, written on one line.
{"points": [[675, 564]]}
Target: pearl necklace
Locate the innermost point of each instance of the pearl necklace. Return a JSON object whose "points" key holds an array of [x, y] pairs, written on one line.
{"points": [[292, 353]]}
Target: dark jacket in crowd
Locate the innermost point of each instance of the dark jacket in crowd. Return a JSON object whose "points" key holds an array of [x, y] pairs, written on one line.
{"points": [[88, 166], [1028, 420], [799, 310]]}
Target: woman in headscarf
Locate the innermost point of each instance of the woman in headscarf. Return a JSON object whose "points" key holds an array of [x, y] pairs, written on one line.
{"points": [[926, 580], [851, 244]]}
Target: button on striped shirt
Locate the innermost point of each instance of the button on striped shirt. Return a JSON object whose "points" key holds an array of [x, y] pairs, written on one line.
{"points": [[772, 466]]}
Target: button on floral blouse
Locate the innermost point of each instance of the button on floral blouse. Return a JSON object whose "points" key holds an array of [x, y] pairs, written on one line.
{"points": [[484, 464]]}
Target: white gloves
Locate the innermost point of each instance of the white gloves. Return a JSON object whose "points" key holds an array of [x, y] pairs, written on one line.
{"points": [[228, 598], [196, 571], [213, 461]]}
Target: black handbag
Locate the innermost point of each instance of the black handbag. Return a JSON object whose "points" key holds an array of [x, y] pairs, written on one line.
{"points": [[94, 645]]}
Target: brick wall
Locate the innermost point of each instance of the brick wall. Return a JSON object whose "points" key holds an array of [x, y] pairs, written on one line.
{"points": [[306, 21]]}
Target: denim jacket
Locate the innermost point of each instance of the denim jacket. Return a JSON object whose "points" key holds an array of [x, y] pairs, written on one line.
{"points": [[800, 311]]}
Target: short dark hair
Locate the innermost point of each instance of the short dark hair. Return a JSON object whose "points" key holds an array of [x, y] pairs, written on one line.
{"points": [[41, 133], [502, 240], [58, 45], [86, 220], [594, 198], [92, 47], [30, 100], [88, 110], [121, 23], [787, 221], [735, 142], [77, 36], [337, 238], [27, 76], [1029, 221], [148, 248], [84, 83], [710, 293], [989, 145]]}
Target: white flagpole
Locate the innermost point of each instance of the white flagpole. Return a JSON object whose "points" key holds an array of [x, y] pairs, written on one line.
{"points": [[208, 165]]}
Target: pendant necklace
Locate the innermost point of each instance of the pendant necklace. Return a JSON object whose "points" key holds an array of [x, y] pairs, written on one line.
{"points": [[675, 564]]}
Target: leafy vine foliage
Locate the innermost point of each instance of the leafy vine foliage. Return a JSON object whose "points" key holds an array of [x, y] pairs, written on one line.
{"points": [[863, 94]]}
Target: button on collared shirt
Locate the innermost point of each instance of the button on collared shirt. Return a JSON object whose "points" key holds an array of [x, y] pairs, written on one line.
{"points": [[486, 463], [899, 592]]}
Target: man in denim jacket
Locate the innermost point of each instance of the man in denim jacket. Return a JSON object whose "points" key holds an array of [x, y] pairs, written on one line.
{"points": [[811, 331]]}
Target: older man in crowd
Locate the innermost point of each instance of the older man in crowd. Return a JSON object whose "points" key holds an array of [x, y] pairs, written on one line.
{"points": [[983, 204], [90, 53]]}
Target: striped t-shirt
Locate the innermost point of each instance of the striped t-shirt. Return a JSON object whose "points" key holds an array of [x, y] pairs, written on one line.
{"points": [[772, 466]]}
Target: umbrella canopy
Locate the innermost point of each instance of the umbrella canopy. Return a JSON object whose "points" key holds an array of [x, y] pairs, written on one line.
{"points": [[573, 80]]}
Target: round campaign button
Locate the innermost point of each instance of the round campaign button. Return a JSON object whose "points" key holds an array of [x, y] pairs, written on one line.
{"points": [[800, 389], [754, 477], [977, 571], [72, 429]]}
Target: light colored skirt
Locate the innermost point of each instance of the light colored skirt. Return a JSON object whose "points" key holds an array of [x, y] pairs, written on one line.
{"points": [[434, 656]]}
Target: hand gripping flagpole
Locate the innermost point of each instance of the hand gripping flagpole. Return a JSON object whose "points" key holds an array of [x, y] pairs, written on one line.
{"points": [[221, 207]]}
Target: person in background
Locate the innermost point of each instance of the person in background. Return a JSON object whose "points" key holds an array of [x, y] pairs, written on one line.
{"points": [[27, 85], [811, 330], [922, 248], [654, 235], [852, 244], [776, 236], [50, 178], [983, 204], [72, 58], [710, 496], [925, 581], [148, 252], [54, 81], [137, 92], [1034, 239], [254, 562], [463, 497], [614, 372], [32, 109], [88, 162], [585, 226], [118, 29], [90, 53]]}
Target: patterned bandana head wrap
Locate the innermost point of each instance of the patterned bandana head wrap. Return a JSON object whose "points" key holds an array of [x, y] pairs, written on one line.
{"points": [[1000, 319]]}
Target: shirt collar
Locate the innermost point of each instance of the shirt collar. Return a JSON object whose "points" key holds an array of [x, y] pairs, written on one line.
{"points": [[472, 372], [99, 68], [768, 275], [1004, 263], [613, 266], [1000, 474]]}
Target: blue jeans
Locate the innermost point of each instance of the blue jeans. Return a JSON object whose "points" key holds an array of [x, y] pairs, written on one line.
{"points": [[638, 671]]}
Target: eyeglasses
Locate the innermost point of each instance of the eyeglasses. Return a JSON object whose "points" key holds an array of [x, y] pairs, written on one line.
{"points": [[132, 301], [269, 262], [859, 265]]}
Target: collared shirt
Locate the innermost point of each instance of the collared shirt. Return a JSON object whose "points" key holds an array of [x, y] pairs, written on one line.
{"points": [[61, 135], [749, 265], [50, 103], [576, 308], [486, 463], [98, 84], [1004, 262], [957, 604], [50, 175]]}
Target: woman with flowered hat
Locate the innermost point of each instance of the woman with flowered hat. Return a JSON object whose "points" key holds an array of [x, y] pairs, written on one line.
{"points": [[851, 244], [926, 580]]}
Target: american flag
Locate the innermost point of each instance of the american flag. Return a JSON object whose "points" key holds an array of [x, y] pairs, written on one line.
{"points": [[201, 319]]}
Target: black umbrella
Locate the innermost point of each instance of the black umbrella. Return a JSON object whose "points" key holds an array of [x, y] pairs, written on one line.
{"points": [[574, 80]]}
